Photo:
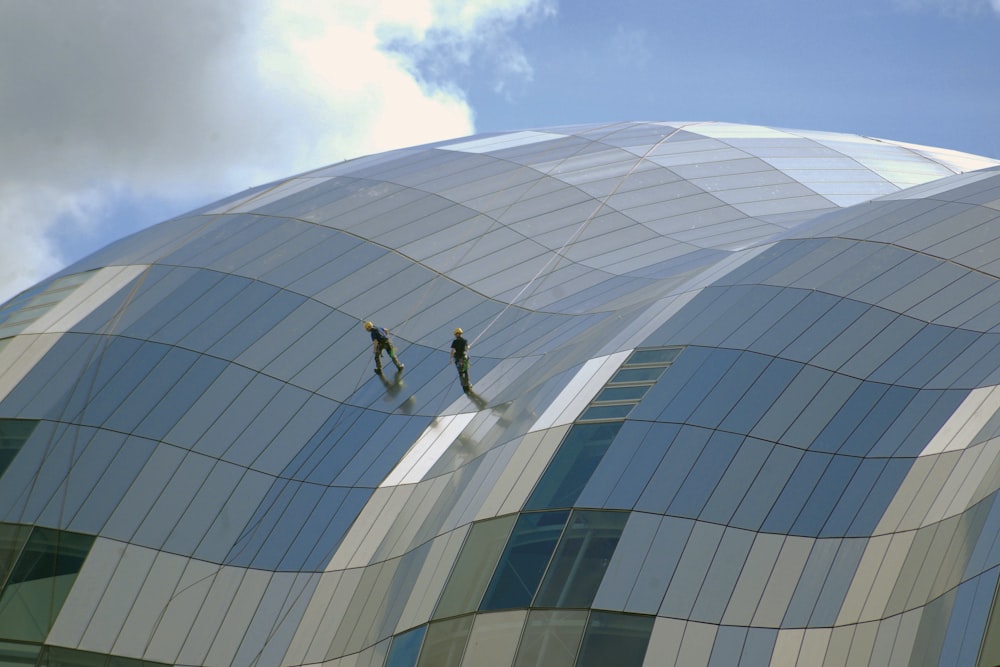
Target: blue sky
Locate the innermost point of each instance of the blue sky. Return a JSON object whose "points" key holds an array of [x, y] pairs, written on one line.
{"points": [[116, 114]]}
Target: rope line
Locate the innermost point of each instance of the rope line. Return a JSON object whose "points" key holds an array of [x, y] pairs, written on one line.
{"points": [[558, 254]]}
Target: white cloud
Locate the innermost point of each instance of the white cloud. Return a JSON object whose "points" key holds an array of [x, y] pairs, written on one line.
{"points": [[188, 100]]}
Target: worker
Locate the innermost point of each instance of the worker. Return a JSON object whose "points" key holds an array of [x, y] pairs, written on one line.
{"points": [[381, 342], [460, 357]]}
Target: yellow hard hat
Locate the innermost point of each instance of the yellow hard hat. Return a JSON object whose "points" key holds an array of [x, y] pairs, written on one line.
{"points": [[458, 331], [369, 325]]}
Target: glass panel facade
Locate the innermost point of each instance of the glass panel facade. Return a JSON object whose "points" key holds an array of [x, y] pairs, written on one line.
{"points": [[13, 434], [574, 463], [405, 648], [551, 638], [12, 539], [580, 560], [524, 560], [18, 655], [39, 581], [723, 415], [22, 310], [615, 639], [474, 567], [444, 644]]}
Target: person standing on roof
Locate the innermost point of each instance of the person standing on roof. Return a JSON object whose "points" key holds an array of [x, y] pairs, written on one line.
{"points": [[381, 342], [460, 357]]}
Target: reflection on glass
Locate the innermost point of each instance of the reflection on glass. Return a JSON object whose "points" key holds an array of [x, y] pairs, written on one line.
{"points": [[445, 642], [581, 559], [626, 393], [12, 539], [18, 655], [600, 412], [575, 461], [55, 656], [551, 638], [637, 375], [13, 434], [40, 581], [474, 566], [654, 356], [524, 560], [405, 648], [28, 306], [494, 638], [615, 639], [628, 386]]}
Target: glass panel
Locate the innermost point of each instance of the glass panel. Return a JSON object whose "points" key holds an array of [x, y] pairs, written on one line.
{"points": [[637, 375], [796, 492], [474, 566], [12, 539], [704, 476], [33, 304], [39, 583], [524, 560], [494, 639], [18, 655], [622, 393], [607, 412], [55, 656], [13, 434], [680, 454], [573, 464], [825, 495], [659, 356], [615, 639], [405, 647], [581, 558], [551, 638], [445, 642]]}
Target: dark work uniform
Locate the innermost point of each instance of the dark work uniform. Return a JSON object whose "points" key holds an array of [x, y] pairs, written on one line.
{"points": [[381, 342], [460, 348]]}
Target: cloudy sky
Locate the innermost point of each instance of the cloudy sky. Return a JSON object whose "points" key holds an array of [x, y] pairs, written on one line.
{"points": [[117, 114]]}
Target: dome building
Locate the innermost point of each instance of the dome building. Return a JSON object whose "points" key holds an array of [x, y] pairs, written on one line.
{"points": [[735, 401]]}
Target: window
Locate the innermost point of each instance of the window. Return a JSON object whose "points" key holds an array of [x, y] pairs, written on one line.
{"points": [[13, 434], [28, 306], [573, 464], [39, 579], [627, 387], [580, 560], [524, 561]]}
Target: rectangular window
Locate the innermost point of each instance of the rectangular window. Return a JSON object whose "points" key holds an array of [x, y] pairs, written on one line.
{"points": [[18, 654], [581, 559], [615, 639], [474, 566], [604, 412], [39, 582], [551, 638], [655, 356], [55, 656], [28, 306], [12, 539], [525, 560], [445, 642], [649, 375], [574, 462], [405, 648], [630, 383], [13, 434], [626, 393]]}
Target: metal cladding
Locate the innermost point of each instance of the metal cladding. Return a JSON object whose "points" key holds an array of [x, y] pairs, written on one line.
{"points": [[736, 401]]}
